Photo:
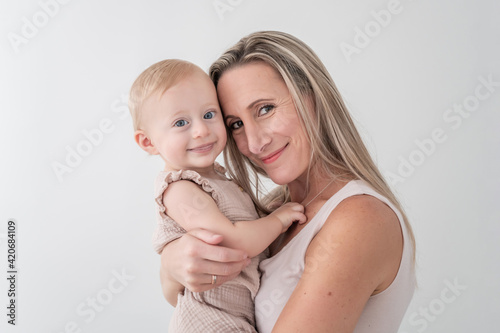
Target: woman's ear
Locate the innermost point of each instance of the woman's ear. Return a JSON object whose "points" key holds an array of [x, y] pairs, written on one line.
{"points": [[145, 142]]}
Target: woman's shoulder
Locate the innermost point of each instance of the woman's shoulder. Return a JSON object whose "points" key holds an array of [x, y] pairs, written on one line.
{"points": [[363, 230], [365, 211], [367, 220], [357, 204]]}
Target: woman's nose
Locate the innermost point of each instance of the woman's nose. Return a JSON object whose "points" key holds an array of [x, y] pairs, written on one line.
{"points": [[258, 138]]}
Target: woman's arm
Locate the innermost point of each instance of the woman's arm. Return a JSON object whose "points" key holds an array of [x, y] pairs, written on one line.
{"points": [[356, 254], [191, 260], [193, 208]]}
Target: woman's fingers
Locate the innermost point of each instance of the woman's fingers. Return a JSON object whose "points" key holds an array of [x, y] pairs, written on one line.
{"points": [[219, 279], [225, 271], [193, 259], [207, 251], [206, 236], [200, 279]]}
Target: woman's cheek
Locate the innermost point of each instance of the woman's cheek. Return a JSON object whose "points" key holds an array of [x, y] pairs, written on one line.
{"points": [[242, 144], [284, 121]]}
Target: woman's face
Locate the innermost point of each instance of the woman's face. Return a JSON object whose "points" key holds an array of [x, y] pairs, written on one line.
{"points": [[259, 112]]}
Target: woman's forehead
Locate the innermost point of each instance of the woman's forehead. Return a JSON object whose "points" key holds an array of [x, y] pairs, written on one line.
{"points": [[252, 70], [248, 80]]}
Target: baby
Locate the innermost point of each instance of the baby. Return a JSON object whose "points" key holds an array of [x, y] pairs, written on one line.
{"points": [[176, 115]]}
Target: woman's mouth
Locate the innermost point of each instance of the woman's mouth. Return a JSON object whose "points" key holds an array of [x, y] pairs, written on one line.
{"points": [[273, 156]]}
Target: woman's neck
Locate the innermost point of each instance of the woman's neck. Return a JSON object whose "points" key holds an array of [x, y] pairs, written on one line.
{"points": [[305, 190]]}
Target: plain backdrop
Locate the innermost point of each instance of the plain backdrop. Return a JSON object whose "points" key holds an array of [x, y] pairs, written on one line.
{"points": [[421, 78]]}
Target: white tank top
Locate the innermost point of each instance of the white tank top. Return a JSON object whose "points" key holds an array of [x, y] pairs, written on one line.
{"points": [[382, 313]]}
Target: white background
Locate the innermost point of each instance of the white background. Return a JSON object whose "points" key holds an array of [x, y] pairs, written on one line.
{"points": [[71, 74]]}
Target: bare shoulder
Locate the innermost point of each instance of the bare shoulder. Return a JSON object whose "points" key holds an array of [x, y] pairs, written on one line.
{"points": [[364, 209], [366, 231], [365, 216]]}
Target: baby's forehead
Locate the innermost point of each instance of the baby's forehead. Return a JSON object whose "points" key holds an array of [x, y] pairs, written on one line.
{"points": [[196, 84], [194, 75]]}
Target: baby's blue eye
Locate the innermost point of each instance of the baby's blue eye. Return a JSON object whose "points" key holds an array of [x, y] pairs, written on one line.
{"points": [[180, 123], [209, 115]]}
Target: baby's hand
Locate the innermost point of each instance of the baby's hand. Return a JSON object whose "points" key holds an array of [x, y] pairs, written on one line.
{"points": [[289, 213]]}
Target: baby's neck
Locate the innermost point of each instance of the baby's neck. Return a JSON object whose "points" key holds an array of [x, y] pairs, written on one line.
{"points": [[208, 172]]}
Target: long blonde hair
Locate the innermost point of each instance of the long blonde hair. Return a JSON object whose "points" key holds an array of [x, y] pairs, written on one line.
{"points": [[337, 147]]}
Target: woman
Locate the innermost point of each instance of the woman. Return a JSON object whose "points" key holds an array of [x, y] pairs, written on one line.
{"points": [[350, 267]]}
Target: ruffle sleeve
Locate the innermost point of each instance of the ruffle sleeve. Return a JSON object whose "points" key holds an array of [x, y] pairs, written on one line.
{"points": [[167, 229]]}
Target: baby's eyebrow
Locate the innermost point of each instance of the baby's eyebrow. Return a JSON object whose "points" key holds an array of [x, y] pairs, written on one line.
{"points": [[210, 105], [176, 113]]}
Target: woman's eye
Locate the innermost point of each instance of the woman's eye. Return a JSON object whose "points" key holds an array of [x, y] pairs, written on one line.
{"points": [[234, 126], [265, 109], [209, 115], [180, 123]]}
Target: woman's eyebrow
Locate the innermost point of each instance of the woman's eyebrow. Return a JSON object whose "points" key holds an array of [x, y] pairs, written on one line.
{"points": [[251, 105]]}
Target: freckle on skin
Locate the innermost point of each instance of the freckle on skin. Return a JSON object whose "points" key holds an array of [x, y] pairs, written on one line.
{"points": [[329, 293]]}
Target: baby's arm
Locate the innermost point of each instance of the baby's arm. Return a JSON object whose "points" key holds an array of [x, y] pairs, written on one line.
{"points": [[193, 208]]}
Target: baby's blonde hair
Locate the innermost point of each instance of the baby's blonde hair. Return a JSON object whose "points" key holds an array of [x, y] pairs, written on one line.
{"points": [[156, 79]]}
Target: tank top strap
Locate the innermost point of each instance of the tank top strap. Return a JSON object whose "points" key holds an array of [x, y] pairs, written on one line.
{"points": [[352, 188]]}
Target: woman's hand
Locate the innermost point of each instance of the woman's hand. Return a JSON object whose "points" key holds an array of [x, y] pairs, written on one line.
{"points": [[193, 259]]}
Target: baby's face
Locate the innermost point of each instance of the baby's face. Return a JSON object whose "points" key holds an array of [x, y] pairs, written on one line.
{"points": [[185, 124]]}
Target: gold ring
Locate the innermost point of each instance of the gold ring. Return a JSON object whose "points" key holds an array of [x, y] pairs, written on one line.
{"points": [[214, 279]]}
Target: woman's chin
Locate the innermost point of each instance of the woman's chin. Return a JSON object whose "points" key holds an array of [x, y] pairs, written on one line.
{"points": [[280, 178]]}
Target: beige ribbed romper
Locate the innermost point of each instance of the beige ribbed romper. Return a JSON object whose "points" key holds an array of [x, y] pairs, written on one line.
{"points": [[229, 307]]}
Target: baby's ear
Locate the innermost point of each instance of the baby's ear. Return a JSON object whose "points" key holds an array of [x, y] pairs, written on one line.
{"points": [[145, 142]]}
